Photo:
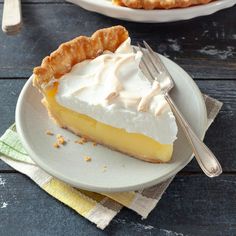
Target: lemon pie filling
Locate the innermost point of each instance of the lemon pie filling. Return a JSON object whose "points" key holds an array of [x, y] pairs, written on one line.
{"points": [[134, 144]]}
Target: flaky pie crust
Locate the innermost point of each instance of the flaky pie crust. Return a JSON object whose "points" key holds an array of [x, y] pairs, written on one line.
{"points": [[79, 49], [161, 4]]}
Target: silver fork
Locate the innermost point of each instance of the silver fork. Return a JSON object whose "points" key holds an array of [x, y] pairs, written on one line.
{"points": [[152, 66]]}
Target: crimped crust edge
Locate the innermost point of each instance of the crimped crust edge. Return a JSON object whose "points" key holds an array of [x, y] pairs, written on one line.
{"points": [[79, 49]]}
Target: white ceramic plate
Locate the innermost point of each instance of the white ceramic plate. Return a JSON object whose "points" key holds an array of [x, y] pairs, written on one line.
{"points": [[105, 7], [123, 172]]}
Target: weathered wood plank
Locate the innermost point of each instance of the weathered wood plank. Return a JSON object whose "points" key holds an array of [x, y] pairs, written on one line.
{"points": [[220, 137], [193, 206], [9, 92], [205, 47]]}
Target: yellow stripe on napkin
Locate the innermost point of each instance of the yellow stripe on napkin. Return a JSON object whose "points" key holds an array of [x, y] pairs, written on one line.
{"points": [[70, 196]]}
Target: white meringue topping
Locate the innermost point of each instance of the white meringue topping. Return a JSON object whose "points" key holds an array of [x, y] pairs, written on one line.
{"points": [[112, 89]]}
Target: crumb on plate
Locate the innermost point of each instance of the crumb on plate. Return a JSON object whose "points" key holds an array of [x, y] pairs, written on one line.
{"points": [[60, 139], [87, 158], [56, 145], [48, 132], [81, 140]]}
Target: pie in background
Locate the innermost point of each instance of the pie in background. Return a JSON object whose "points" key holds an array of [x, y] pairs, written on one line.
{"points": [[159, 4]]}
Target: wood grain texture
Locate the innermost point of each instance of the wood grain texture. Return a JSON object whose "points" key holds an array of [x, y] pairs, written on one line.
{"points": [[222, 129], [193, 206], [205, 47], [9, 92]]}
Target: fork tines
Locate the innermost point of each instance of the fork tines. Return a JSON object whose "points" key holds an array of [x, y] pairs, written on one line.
{"points": [[152, 63]]}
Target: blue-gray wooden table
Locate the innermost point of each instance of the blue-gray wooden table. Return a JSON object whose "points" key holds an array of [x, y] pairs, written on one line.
{"points": [[193, 204]]}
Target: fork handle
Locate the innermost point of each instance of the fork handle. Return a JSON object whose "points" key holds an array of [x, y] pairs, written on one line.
{"points": [[205, 158]]}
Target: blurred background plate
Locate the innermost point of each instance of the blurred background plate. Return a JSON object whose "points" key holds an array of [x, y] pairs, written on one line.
{"points": [[105, 7]]}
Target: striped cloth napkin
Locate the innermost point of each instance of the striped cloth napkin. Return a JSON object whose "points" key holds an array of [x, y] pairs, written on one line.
{"points": [[99, 208]]}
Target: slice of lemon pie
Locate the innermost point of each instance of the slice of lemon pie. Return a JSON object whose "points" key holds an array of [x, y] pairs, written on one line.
{"points": [[94, 87]]}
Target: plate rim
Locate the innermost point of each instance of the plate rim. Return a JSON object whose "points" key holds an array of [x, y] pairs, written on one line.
{"points": [[88, 187], [153, 16]]}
